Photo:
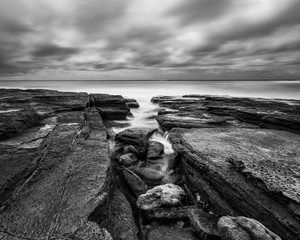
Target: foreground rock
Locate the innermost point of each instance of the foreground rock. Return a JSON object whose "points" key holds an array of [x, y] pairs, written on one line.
{"points": [[242, 228], [53, 163], [163, 195], [249, 172], [204, 223], [169, 233]]}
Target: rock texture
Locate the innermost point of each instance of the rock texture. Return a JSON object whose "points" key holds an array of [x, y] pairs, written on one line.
{"points": [[138, 137], [162, 195], [242, 228], [197, 111], [169, 233], [155, 150], [53, 163], [250, 172]]}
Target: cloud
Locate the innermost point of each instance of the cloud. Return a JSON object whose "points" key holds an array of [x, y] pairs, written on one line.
{"points": [[200, 10], [149, 35], [50, 50]]}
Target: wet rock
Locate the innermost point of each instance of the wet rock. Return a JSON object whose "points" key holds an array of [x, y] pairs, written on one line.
{"points": [[155, 150], [244, 172], [132, 103], [205, 224], [171, 177], [163, 195], [169, 233], [137, 185], [149, 174], [137, 137], [128, 159], [111, 107]]}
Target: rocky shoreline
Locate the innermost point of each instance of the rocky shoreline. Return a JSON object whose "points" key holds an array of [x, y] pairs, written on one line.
{"points": [[218, 168]]}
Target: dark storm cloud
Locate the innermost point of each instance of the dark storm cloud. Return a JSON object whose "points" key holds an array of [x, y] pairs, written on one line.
{"points": [[200, 10], [51, 50]]}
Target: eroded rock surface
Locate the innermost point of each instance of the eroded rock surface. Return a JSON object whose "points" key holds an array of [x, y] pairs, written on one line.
{"points": [[54, 158], [249, 172]]}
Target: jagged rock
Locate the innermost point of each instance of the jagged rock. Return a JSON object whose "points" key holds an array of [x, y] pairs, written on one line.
{"points": [[128, 159], [244, 172], [137, 137], [163, 195], [169, 233], [205, 224], [155, 150], [242, 228], [53, 170]]}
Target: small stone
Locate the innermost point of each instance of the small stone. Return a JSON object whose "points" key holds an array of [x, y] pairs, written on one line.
{"points": [[128, 159], [162, 195], [155, 150]]}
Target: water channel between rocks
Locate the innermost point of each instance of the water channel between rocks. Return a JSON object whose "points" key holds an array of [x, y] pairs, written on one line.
{"points": [[142, 157]]}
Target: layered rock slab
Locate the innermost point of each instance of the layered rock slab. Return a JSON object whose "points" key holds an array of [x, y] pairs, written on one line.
{"points": [[53, 167], [250, 172]]}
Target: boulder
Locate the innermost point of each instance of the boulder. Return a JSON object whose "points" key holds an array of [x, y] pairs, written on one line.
{"points": [[155, 150], [128, 159], [137, 137], [162, 195], [169, 233], [205, 224]]}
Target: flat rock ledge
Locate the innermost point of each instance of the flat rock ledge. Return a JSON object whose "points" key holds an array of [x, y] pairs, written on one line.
{"points": [[54, 162], [245, 172]]}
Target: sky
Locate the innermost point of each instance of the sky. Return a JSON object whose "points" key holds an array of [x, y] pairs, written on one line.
{"points": [[150, 39]]}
